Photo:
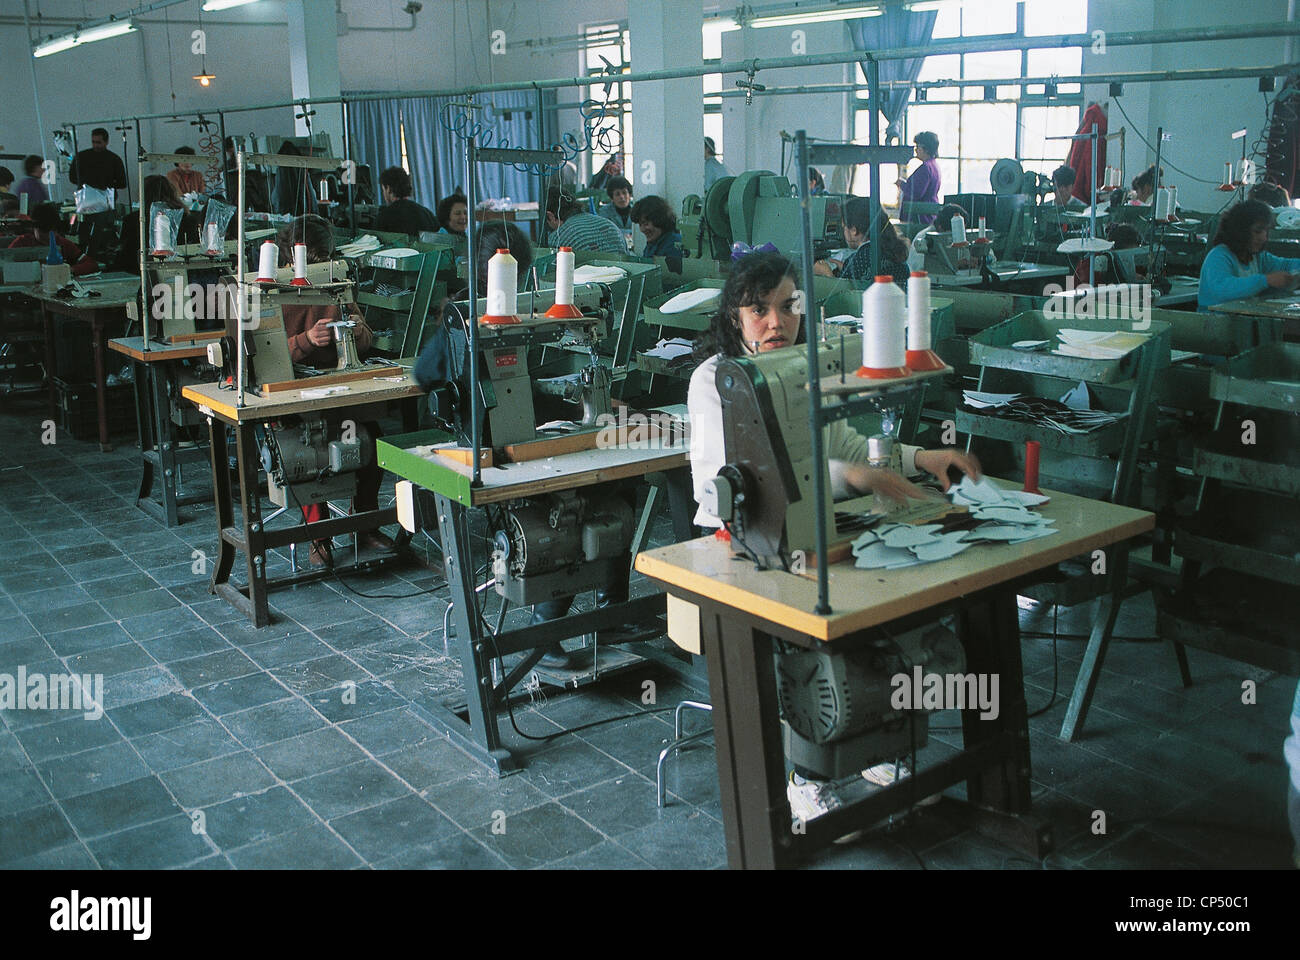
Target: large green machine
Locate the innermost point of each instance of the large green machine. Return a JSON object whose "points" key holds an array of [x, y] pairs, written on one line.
{"points": [[759, 206]]}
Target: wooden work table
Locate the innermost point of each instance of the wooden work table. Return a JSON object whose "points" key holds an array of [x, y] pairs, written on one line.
{"points": [[222, 401], [865, 598], [105, 307], [740, 611], [240, 524]]}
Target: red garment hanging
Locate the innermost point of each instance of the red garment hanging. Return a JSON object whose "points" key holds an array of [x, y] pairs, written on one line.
{"points": [[1080, 158]]}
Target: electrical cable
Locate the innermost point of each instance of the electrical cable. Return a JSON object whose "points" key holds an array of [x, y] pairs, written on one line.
{"points": [[1164, 156]]}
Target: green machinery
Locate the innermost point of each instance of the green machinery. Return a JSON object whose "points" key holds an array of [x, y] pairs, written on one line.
{"points": [[759, 206]]}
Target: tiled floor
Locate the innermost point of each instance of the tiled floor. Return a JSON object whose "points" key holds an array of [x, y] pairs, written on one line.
{"points": [[224, 746]]}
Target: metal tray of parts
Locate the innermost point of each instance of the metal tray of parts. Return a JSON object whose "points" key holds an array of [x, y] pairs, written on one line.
{"points": [[1268, 376], [993, 347]]}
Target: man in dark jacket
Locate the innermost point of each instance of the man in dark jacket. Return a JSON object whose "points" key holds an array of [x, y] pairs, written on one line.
{"points": [[101, 168]]}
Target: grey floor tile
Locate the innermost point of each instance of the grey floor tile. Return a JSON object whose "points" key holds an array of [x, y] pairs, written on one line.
{"points": [[538, 836], [345, 790], [201, 671], [142, 717], [309, 754], [162, 623], [70, 856], [622, 805], [339, 704], [311, 848], [231, 696], [431, 763], [378, 833], [119, 586], [23, 652], [324, 673], [213, 781], [692, 843], [92, 770], [83, 639], [606, 855], [568, 766], [21, 789], [458, 851], [59, 739], [54, 620], [148, 683], [382, 733], [111, 661], [273, 721], [186, 646], [284, 651], [32, 832], [153, 846], [191, 742], [255, 818], [138, 604], [119, 807]]}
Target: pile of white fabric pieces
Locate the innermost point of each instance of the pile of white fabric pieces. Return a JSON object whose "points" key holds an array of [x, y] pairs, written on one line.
{"points": [[1005, 516], [1072, 413]]}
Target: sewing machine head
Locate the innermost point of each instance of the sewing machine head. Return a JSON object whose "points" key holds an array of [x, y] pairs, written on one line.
{"points": [[765, 491]]}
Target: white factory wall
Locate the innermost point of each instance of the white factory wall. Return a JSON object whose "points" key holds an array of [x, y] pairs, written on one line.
{"points": [[1199, 116], [449, 47]]}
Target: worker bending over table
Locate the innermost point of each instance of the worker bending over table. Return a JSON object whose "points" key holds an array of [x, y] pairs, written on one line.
{"points": [[756, 314], [1237, 265]]}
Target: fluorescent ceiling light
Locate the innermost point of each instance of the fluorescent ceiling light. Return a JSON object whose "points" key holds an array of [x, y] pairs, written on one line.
{"points": [[210, 6], [77, 38], [928, 6], [721, 24], [816, 16]]}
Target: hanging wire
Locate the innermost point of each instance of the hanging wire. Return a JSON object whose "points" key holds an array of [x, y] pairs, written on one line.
{"points": [[597, 134], [1280, 115], [1164, 151]]}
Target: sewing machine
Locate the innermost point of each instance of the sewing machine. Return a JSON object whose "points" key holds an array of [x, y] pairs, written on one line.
{"points": [[506, 383], [835, 705], [759, 207]]}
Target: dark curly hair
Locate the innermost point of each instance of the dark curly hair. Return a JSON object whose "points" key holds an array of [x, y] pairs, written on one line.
{"points": [[656, 210], [311, 230], [447, 204], [1236, 224], [752, 279], [397, 180], [858, 213]]}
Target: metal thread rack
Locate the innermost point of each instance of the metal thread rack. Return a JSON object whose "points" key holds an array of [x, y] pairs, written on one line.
{"points": [[871, 398]]}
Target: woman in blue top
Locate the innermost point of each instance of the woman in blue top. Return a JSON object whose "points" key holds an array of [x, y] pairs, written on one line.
{"points": [[658, 225], [1237, 266]]}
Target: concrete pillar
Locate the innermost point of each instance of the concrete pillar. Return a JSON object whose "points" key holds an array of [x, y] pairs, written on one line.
{"points": [[314, 65], [668, 116]]}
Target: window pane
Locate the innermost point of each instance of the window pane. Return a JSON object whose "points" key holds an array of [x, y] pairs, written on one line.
{"points": [[987, 130], [975, 176], [988, 16], [1008, 93], [992, 66], [940, 119], [1050, 17], [1039, 123], [1063, 62], [947, 176], [947, 67], [948, 22]]}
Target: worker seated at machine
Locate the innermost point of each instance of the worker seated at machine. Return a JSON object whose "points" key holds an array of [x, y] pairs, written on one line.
{"points": [[45, 226], [1270, 193], [157, 189], [756, 315], [1144, 185], [861, 214], [1237, 265], [518, 402], [619, 209], [942, 227], [312, 343], [658, 225], [1063, 178], [570, 223]]}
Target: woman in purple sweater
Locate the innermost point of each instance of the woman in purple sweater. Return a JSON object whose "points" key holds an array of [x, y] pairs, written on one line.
{"points": [[923, 185]]}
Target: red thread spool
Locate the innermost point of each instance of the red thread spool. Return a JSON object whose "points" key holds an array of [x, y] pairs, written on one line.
{"points": [[1032, 448]]}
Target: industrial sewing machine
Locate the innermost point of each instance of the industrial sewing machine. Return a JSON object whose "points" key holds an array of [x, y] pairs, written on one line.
{"points": [[508, 354], [835, 706], [759, 206]]}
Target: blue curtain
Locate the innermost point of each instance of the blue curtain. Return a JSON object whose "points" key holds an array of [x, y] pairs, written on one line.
{"points": [[512, 119], [898, 27], [421, 120], [375, 133]]}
